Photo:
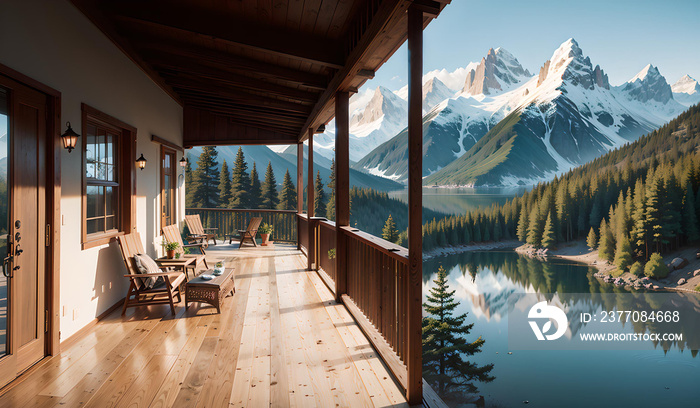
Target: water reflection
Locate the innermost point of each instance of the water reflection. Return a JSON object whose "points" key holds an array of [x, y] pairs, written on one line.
{"points": [[483, 281]]}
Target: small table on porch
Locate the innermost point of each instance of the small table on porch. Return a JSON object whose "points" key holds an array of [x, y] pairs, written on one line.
{"points": [[211, 291], [180, 263]]}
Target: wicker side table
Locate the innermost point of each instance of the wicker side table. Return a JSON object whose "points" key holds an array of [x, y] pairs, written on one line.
{"points": [[212, 291]]}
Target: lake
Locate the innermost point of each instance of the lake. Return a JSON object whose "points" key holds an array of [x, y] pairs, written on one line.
{"points": [[461, 200], [663, 376]]}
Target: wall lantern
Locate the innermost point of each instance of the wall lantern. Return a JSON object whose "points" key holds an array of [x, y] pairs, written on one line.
{"points": [[69, 138], [183, 162], [141, 162]]}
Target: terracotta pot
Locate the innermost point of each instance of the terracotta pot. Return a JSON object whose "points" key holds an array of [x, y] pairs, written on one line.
{"points": [[171, 254], [265, 239]]}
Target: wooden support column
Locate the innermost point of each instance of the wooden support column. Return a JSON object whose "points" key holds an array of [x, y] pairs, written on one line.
{"points": [[342, 189], [414, 359], [310, 202], [300, 187]]}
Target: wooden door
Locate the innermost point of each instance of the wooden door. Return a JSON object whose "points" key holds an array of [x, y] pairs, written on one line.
{"points": [[22, 227]]}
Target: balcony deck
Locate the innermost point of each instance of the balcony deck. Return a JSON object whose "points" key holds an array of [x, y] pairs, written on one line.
{"points": [[281, 340]]}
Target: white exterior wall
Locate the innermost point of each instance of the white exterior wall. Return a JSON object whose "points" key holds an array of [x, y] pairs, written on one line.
{"points": [[53, 43]]}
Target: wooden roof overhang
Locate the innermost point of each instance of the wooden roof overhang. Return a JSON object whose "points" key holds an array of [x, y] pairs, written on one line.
{"points": [[256, 71]]}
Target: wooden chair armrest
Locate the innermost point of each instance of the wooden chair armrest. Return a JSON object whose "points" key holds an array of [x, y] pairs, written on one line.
{"points": [[211, 229], [201, 244], [146, 275]]}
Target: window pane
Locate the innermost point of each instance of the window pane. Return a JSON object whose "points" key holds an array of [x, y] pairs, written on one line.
{"points": [[110, 200], [110, 224], [93, 226], [92, 201]]}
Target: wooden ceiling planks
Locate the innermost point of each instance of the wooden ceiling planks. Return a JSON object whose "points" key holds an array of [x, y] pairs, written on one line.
{"points": [[241, 67]]}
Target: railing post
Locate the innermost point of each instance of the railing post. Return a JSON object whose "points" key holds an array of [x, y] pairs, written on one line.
{"points": [[310, 201], [300, 189], [342, 189], [414, 358]]}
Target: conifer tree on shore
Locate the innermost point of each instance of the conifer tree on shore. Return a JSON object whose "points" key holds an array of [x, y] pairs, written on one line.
{"points": [[270, 198], [288, 194], [389, 232], [445, 346], [240, 183], [204, 191], [224, 186], [255, 199]]}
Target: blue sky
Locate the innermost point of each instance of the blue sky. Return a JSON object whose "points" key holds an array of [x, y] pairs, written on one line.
{"points": [[622, 36]]}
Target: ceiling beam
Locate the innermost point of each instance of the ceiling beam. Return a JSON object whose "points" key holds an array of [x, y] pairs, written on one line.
{"points": [[248, 34], [235, 62], [236, 95], [233, 80]]}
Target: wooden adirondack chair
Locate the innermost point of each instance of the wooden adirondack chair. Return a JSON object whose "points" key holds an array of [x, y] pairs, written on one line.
{"points": [[138, 295], [249, 233], [197, 232], [172, 234]]}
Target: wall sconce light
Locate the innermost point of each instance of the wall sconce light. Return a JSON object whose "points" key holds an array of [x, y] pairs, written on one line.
{"points": [[69, 138], [183, 162], [141, 162]]}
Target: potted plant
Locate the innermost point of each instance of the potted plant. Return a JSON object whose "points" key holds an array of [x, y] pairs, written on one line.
{"points": [[170, 248], [265, 231]]}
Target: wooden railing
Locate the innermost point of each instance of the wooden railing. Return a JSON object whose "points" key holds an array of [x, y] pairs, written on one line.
{"points": [[377, 286], [377, 290], [228, 221], [303, 228], [327, 251]]}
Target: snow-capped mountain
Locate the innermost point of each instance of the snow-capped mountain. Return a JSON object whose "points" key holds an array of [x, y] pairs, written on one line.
{"points": [[497, 71], [508, 127], [454, 125], [648, 85], [686, 91], [434, 92]]}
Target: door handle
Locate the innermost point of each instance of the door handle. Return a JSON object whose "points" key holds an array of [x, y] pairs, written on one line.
{"points": [[6, 266]]}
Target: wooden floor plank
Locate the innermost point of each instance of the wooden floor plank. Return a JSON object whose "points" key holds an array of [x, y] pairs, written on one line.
{"points": [[142, 391], [218, 387], [279, 383], [194, 381], [244, 365], [168, 390], [85, 389]]}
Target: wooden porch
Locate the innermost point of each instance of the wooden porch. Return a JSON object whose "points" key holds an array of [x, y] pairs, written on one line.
{"points": [[281, 340]]}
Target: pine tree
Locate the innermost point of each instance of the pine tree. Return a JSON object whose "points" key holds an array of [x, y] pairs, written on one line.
{"points": [[522, 226], [240, 183], [592, 239], [255, 189], [623, 253], [224, 186], [445, 345], [534, 230], [548, 235], [288, 195], [690, 222], [389, 232], [330, 207], [319, 197], [653, 213], [270, 198], [205, 180], [606, 245]]}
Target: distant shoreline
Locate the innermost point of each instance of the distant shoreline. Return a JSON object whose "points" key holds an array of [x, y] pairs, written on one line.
{"points": [[578, 251], [458, 249]]}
